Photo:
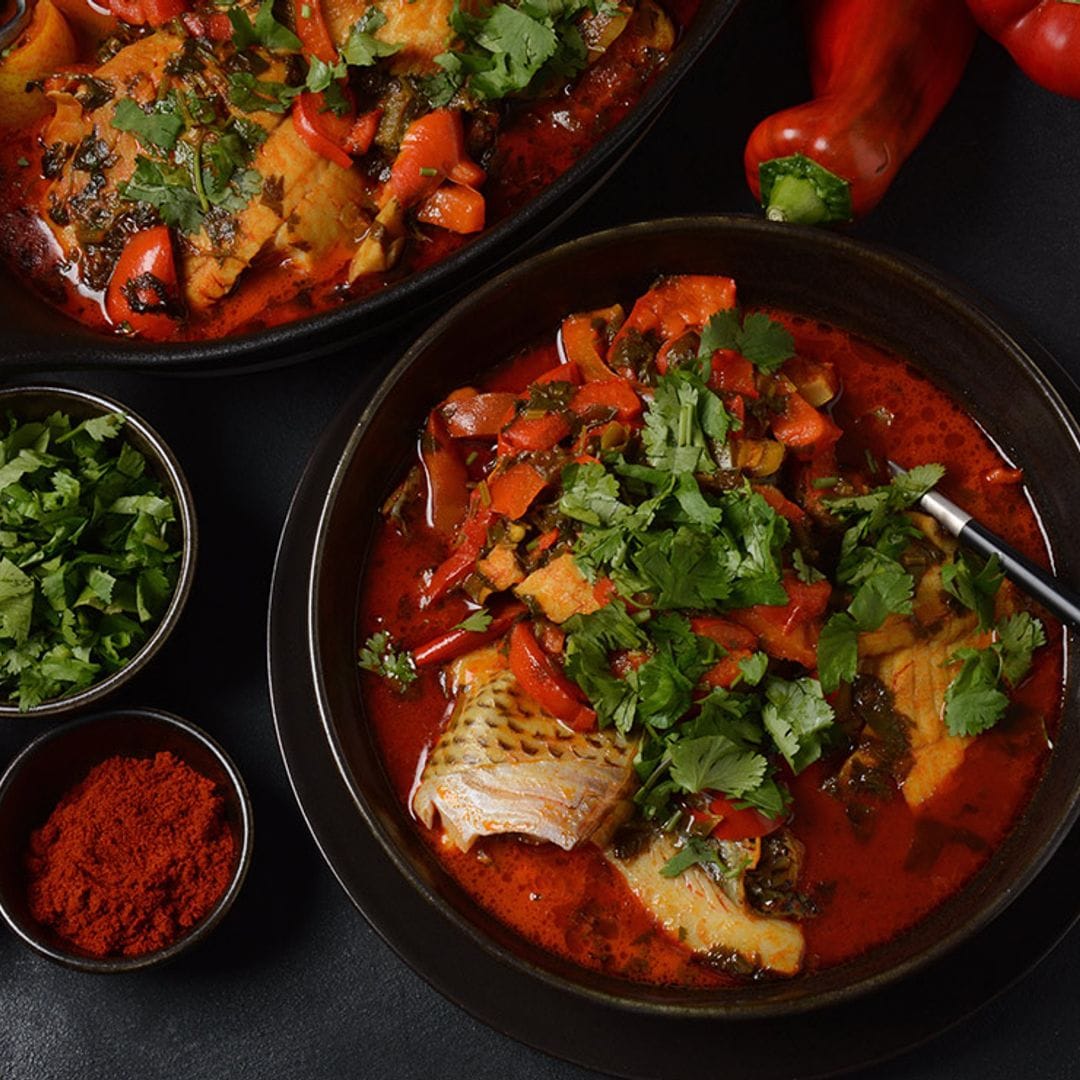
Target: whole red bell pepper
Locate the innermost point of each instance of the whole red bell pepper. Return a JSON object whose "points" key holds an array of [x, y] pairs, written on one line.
{"points": [[1042, 35], [880, 73]]}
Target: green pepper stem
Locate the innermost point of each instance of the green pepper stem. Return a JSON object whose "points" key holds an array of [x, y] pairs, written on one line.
{"points": [[795, 199]]}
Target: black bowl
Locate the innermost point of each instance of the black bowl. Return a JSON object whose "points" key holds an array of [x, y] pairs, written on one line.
{"points": [[38, 337], [871, 292], [53, 763], [37, 402]]}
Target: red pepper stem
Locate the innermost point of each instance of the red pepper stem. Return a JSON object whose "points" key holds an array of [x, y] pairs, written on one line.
{"points": [[795, 200]]}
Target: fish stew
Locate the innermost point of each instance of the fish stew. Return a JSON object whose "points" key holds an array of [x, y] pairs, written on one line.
{"points": [[190, 170], [674, 679]]}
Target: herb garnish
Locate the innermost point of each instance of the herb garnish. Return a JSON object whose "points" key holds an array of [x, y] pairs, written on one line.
{"points": [[761, 340], [380, 657], [88, 554]]}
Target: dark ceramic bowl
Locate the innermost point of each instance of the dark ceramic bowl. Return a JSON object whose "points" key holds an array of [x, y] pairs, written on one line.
{"points": [[866, 290], [53, 763], [37, 402], [38, 337]]}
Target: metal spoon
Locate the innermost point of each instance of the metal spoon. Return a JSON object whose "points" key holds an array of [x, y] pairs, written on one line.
{"points": [[1033, 579]]}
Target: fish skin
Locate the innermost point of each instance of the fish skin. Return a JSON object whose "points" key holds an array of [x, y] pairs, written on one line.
{"points": [[699, 911], [503, 765]]}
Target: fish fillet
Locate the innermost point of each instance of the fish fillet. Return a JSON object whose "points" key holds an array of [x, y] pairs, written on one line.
{"points": [[504, 766], [695, 909]]}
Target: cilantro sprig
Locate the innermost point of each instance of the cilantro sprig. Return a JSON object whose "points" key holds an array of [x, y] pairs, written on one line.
{"points": [[761, 340], [380, 657], [89, 554]]}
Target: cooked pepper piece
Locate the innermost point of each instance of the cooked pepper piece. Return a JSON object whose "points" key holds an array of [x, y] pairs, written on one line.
{"points": [[321, 129], [312, 32], [580, 341], [803, 428], [46, 45], [457, 642], [534, 433], [453, 207], [513, 491], [432, 150], [1043, 37], [143, 289], [737, 642], [447, 478], [880, 74], [461, 561], [736, 824], [147, 12], [789, 631], [675, 303], [541, 680], [479, 416], [615, 394]]}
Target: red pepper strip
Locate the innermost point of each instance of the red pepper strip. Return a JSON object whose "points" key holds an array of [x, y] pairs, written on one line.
{"points": [[581, 344], [801, 428], [541, 680], [740, 824], [147, 12], [323, 132], [539, 433], [737, 642], [362, 133], [880, 74], [1000, 475], [459, 565], [604, 591], [432, 150], [447, 478], [312, 32], [567, 373], [1042, 35], [547, 540], [453, 207], [142, 290], [789, 631], [781, 504], [481, 416], [513, 491], [732, 373], [211, 27], [615, 394], [458, 642], [686, 300]]}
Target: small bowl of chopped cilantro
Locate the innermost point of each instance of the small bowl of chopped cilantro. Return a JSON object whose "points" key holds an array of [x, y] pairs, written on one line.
{"points": [[97, 548]]}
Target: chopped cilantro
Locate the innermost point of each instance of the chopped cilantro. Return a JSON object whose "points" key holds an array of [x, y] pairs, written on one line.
{"points": [[681, 420], [695, 851], [806, 573], [88, 554], [158, 127], [761, 340], [753, 668], [381, 658], [478, 621], [265, 30], [250, 94], [838, 651], [362, 48], [1018, 637], [796, 715], [974, 583]]}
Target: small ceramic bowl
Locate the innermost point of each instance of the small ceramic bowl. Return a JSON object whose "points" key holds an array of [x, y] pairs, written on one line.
{"points": [[37, 402], [54, 763]]}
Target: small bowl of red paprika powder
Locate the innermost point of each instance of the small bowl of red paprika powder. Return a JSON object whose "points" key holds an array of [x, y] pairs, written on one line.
{"points": [[127, 837]]}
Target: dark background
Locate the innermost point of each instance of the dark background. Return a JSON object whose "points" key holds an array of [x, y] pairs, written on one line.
{"points": [[294, 983]]}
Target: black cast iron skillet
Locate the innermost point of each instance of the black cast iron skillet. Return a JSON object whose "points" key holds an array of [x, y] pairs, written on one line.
{"points": [[39, 337], [863, 289]]}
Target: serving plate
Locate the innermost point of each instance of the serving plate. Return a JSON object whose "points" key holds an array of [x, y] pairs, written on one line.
{"points": [[39, 337], [866, 290]]}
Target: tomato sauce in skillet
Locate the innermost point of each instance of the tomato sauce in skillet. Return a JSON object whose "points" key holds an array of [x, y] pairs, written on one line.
{"points": [[872, 876]]}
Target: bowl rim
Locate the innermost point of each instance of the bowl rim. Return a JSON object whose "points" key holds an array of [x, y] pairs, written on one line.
{"points": [[165, 461], [916, 273], [119, 964], [292, 342]]}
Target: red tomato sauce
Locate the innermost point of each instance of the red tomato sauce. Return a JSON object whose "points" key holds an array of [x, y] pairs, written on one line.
{"points": [[874, 881]]}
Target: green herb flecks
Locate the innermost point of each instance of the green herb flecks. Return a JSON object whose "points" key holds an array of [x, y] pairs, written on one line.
{"points": [[362, 48], [380, 657], [761, 340], [89, 555]]}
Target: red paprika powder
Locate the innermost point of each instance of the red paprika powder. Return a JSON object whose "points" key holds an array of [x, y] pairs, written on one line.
{"points": [[131, 857]]}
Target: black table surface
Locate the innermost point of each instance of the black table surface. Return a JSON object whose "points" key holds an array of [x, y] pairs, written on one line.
{"points": [[294, 983]]}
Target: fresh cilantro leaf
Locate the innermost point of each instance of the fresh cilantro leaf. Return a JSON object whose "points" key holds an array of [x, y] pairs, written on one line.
{"points": [[362, 48], [714, 763], [168, 188], [694, 851], [591, 494], [761, 340], [322, 76], [159, 127], [16, 602], [975, 584], [798, 717], [838, 651], [250, 94], [381, 658], [266, 30], [887, 592], [974, 701], [1018, 636], [682, 418], [806, 573], [478, 621], [753, 668]]}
